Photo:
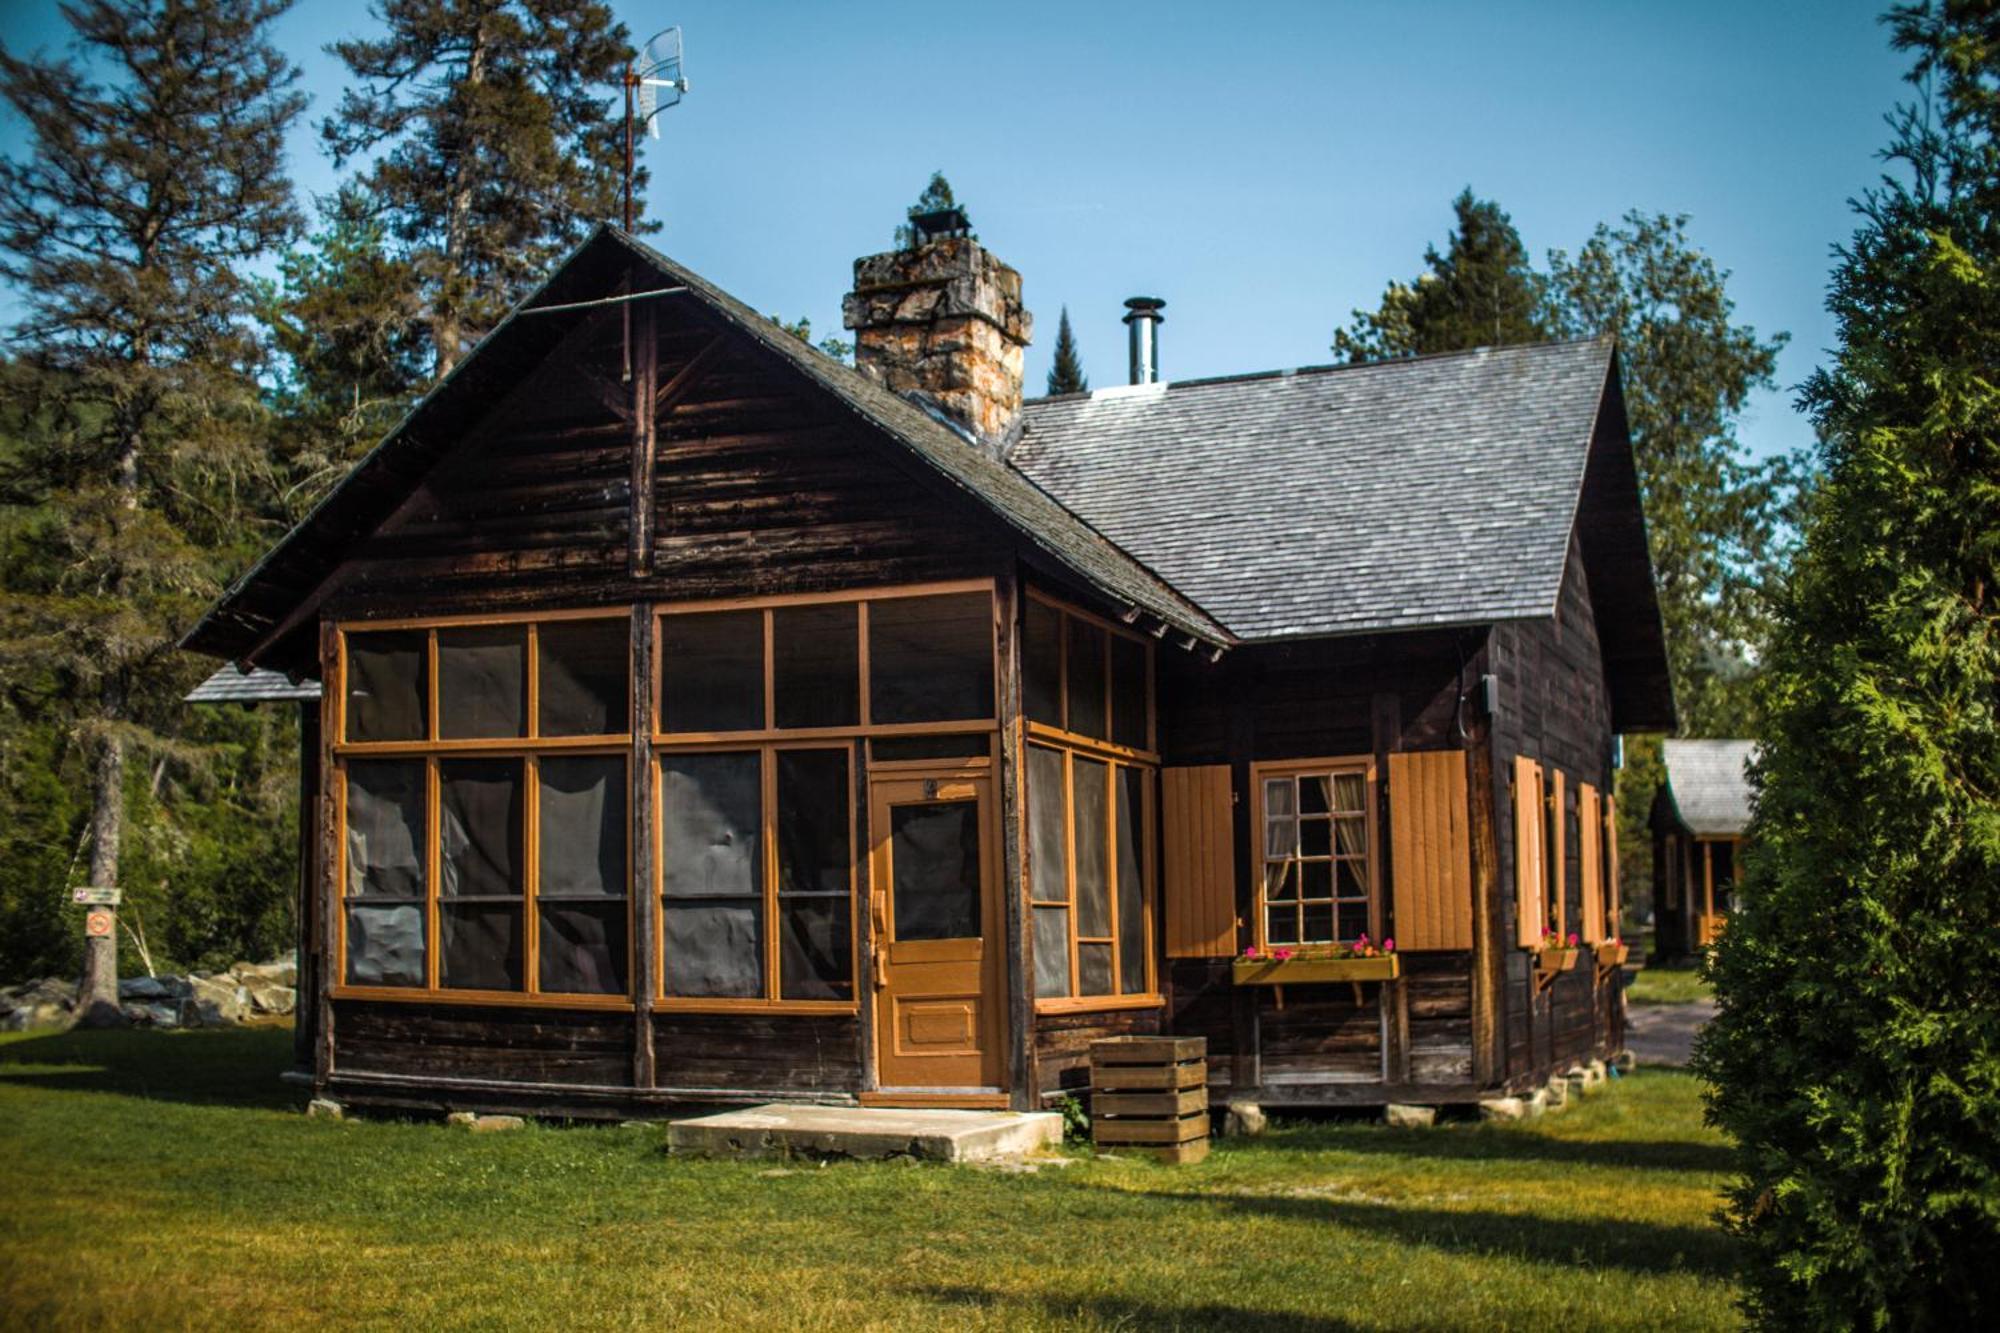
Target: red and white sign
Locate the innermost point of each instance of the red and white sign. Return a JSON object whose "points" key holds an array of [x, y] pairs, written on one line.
{"points": [[97, 925]]}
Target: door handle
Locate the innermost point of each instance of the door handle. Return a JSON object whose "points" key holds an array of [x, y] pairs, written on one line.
{"points": [[876, 903]]}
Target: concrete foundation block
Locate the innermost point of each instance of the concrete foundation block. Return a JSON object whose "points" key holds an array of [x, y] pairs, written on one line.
{"points": [[1398, 1116], [324, 1108], [1535, 1103], [1245, 1120], [867, 1132], [1556, 1095], [1503, 1108], [1623, 1062], [460, 1119], [495, 1124]]}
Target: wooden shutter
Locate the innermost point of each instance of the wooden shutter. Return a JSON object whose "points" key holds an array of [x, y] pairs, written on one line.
{"points": [[1555, 852], [1614, 888], [1200, 861], [1430, 849], [1589, 861], [1528, 871]]}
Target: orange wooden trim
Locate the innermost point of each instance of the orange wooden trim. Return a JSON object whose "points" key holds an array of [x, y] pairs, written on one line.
{"points": [[1057, 736], [1558, 855], [1430, 850], [531, 873], [963, 727], [864, 665], [483, 745], [893, 767], [1589, 862], [944, 1101], [1199, 873], [681, 1004], [1084, 1004], [1297, 768], [508, 999], [1072, 609], [1529, 896], [433, 865], [886, 593], [364, 626]]}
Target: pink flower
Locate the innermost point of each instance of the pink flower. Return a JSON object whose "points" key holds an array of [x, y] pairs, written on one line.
{"points": [[1252, 952], [1388, 946], [1572, 939], [1281, 954], [1364, 938]]}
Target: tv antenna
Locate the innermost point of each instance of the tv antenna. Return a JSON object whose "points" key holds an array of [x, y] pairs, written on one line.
{"points": [[655, 80]]}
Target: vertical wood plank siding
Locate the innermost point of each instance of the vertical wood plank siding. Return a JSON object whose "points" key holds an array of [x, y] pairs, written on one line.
{"points": [[1529, 822], [1199, 862], [1430, 850], [1590, 861]]}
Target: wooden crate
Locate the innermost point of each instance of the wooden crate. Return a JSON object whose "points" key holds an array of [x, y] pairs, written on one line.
{"points": [[1149, 1096]]}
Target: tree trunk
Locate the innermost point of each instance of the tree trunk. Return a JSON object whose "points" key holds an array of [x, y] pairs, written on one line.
{"points": [[447, 325], [97, 992]]}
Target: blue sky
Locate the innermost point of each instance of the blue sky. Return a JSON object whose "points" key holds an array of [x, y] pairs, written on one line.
{"points": [[1264, 168]]}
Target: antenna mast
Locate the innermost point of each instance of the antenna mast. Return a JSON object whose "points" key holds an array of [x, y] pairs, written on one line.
{"points": [[655, 80]]}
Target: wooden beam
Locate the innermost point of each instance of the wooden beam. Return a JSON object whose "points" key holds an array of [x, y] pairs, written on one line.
{"points": [[1022, 1072], [645, 951], [1489, 955], [1386, 724], [308, 918], [645, 370], [328, 888]]}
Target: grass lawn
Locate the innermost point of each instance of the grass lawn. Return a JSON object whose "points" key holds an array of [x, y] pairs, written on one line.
{"points": [[163, 1179], [1668, 985]]}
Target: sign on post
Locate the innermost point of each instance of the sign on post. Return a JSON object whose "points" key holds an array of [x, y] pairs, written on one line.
{"points": [[97, 925], [92, 896]]}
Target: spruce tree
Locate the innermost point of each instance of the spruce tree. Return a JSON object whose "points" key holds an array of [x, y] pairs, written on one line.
{"points": [[495, 136], [153, 174], [1066, 374], [1483, 291], [937, 197], [1856, 1055]]}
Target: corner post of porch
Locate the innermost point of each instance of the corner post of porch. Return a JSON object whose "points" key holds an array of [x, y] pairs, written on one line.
{"points": [[1023, 1079]]}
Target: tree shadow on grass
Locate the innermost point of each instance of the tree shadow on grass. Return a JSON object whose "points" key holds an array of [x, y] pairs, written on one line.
{"points": [[1127, 1312], [1473, 1143], [225, 1066], [1640, 1247]]}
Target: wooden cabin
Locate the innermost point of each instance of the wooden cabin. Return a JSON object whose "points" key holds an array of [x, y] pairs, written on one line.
{"points": [[1698, 820], [708, 721]]}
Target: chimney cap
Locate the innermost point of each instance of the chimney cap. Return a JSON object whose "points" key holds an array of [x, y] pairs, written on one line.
{"points": [[939, 223], [1145, 307]]}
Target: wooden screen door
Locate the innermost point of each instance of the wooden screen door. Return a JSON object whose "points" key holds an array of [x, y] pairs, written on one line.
{"points": [[936, 889]]}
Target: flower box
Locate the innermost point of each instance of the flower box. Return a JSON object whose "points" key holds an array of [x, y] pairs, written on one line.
{"points": [[1612, 953], [1303, 971], [1551, 963]]}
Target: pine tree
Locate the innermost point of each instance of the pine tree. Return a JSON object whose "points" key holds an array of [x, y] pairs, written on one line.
{"points": [[126, 226], [496, 141], [1066, 374], [937, 197], [1855, 1054], [1483, 291]]}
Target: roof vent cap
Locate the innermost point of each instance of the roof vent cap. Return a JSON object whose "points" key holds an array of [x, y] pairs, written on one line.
{"points": [[1143, 318]]}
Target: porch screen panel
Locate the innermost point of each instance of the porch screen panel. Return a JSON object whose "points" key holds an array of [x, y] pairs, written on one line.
{"points": [[1088, 662], [1090, 812], [585, 677], [816, 665], [480, 894], [1128, 692], [385, 872], [712, 671], [388, 685], [1130, 831], [1199, 861], [1042, 662], [815, 876], [482, 682], [711, 874], [930, 659], [934, 849], [1430, 850], [581, 895], [1048, 869]]}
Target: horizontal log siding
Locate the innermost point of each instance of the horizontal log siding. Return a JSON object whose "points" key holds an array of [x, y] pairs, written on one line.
{"points": [[1062, 1043], [588, 1048]]}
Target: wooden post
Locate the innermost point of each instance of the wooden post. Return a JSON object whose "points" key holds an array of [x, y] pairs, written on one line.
{"points": [[645, 953], [1246, 1038], [1023, 1074], [333, 686], [1386, 714], [645, 410], [307, 921], [1489, 951]]}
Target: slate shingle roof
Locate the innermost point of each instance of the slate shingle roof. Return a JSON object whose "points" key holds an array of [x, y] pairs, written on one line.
{"points": [[1709, 784], [1332, 500], [231, 685]]}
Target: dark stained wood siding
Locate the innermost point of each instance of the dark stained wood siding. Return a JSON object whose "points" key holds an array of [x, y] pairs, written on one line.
{"points": [[584, 1047], [746, 1051], [1555, 708], [1062, 1043]]}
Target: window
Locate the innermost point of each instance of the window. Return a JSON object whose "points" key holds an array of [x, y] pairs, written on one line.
{"points": [[1085, 680], [757, 875], [1317, 880], [1089, 875], [484, 804]]}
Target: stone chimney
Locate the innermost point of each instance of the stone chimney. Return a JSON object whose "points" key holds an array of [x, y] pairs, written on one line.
{"points": [[946, 320]]}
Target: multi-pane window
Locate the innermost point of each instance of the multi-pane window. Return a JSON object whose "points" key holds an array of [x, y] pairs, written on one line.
{"points": [[1083, 678], [484, 802], [760, 718], [1089, 874], [1317, 880]]}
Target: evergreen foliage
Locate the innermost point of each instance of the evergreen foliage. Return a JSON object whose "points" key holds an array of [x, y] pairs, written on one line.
{"points": [[1066, 374], [494, 142], [937, 197], [1483, 291], [135, 442], [1856, 1058]]}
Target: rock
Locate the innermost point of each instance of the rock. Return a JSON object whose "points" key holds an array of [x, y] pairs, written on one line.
{"points": [[493, 1124], [268, 997], [155, 1015], [1535, 1103], [146, 989], [1503, 1108], [460, 1119], [1397, 1116], [220, 1001], [277, 972], [44, 1003], [1245, 1120], [1623, 1062], [1556, 1095], [324, 1108]]}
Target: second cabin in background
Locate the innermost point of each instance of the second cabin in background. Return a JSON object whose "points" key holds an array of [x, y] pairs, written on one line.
{"points": [[706, 720]]}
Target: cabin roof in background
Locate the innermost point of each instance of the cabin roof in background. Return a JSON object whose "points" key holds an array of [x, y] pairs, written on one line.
{"points": [[1708, 783], [1438, 490], [232, 685]]}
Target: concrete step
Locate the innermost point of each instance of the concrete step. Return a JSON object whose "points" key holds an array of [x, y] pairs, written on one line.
{"points": [[866, 1132]]}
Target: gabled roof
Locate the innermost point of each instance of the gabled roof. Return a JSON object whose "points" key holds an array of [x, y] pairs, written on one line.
{"points": [[257, 605], [232, 685], [1708, 785], [1440, 490]]}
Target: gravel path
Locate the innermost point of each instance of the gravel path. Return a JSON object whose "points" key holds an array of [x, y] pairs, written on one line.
{"points": [[1663, 1034]]}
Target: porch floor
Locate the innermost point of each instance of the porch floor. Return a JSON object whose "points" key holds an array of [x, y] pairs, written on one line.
{"points": [[778, 1129]]}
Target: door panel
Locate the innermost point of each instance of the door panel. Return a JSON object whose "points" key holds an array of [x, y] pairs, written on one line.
{"points": [[937, 952]]}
